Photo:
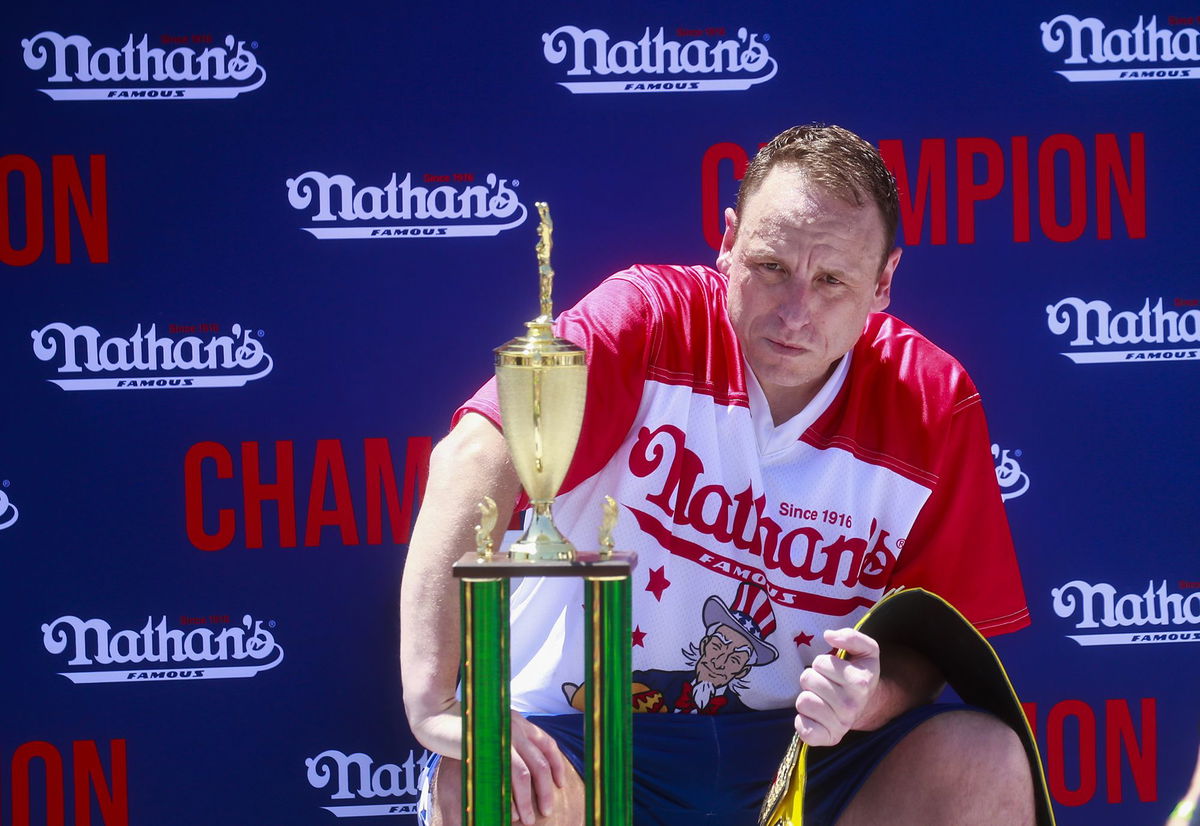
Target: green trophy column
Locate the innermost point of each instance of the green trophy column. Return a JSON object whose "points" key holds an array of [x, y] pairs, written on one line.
{"points": [[608, 727], [487, 785]]}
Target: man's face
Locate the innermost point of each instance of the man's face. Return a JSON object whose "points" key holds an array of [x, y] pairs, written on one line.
{"points": [[723, 656], [803, 269]]}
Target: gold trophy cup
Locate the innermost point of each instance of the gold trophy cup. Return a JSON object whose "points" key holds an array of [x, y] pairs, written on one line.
{"points": [[543, 386]]}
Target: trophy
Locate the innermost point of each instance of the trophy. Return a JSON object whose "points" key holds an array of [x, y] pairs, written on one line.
{"points": [[542, 386]]}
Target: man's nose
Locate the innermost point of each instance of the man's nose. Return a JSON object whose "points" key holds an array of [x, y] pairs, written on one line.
{"points": [[795, 306]]}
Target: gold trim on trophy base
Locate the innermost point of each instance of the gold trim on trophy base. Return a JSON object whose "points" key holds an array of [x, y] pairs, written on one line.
{"points": [[588, 564]]}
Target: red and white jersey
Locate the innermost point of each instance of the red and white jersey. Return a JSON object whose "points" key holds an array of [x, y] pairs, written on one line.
{"points": [[885, 479]]}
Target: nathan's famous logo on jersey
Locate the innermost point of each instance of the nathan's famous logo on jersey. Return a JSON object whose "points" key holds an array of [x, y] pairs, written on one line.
{"points": [[447, 206], [207, 650], [8, 511], [856, 558], [149, 360], [1104, 616], [1104, 336], [1013, 481], [689, 60], [186, 67], [355, 779], [1146, 51]]}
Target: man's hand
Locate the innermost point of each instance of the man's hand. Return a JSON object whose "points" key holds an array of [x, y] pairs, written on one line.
{"points": [[546, 789], [539, 771], [836, 693]]}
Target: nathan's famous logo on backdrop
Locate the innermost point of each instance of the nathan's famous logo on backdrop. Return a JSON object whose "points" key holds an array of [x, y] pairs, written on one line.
{"points": [[8, 511], [211, 648], [186, 67], [687, 60], [149, 360], [448, 206], [1013, 481], [1104, 336], [1060, 188], [365, 789], [1104, 616], [1144, 52], [224, 496]]}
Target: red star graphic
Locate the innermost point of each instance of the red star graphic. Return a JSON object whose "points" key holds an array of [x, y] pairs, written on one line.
{"points": [[639, 637], [803, 639], [658, 582]]}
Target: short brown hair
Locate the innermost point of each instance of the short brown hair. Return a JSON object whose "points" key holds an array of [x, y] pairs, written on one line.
{"points": [[835, 158]]}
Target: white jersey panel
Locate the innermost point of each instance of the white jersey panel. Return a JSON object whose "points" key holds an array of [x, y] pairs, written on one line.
{"points": [[812, 533]]}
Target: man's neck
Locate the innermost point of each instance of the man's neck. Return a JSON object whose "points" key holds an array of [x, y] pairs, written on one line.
{"points": [[787, 402]]}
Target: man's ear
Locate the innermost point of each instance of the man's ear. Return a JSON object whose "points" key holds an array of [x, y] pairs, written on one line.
{"points": [[883, 285], [725, 256]]}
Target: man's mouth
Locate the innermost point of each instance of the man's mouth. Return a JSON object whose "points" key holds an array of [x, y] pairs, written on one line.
{"points": [[786, 348]]}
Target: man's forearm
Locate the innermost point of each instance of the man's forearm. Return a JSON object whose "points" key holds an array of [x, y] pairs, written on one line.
{"points": [[465, 466]]}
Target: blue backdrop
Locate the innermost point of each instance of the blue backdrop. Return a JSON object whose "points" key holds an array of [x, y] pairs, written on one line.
{"points": [[252, 260]]}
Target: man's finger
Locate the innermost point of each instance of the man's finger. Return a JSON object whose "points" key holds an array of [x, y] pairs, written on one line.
{"points": [[522, 789], [539, 772], [543, 770], [831, 693], [856, 644], [545, 744], [558, 763], [812, 730], [856, 675], [815, 708]]}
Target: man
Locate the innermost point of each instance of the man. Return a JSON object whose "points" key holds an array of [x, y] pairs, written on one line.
{"points": [[763, 423]]}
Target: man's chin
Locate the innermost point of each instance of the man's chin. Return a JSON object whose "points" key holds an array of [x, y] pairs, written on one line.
{"points": [[789, 376]]}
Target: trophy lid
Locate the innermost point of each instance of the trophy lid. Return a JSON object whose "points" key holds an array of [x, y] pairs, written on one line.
{"points": [[539, 348]]}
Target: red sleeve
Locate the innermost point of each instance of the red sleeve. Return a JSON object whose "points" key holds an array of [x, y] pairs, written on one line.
{"points": [[615, 324], [960, 546]]}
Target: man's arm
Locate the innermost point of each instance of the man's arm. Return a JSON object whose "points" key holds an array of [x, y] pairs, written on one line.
{"points": [[470, 463], [862, 692]]}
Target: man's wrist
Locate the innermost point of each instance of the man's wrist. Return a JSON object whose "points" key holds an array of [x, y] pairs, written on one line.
{"points": [[907, 680], [887, 702]]}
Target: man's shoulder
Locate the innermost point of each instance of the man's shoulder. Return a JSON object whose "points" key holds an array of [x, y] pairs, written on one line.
{"points": [[693, 344], [899, 364], [898, 402], [675, 286]]}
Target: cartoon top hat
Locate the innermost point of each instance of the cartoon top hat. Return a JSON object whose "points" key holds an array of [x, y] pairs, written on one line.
{"points": [[751, 614]]}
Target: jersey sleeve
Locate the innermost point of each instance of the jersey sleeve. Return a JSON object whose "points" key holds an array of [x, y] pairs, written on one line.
{"points": [[960, 546], [616, 325]]}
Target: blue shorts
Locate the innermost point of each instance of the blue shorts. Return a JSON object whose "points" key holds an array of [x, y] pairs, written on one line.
{"points": [[717, 768]]}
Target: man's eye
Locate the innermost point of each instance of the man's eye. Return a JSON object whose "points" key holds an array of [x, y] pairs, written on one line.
{"points": [[831, 279], [771, 266]]}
